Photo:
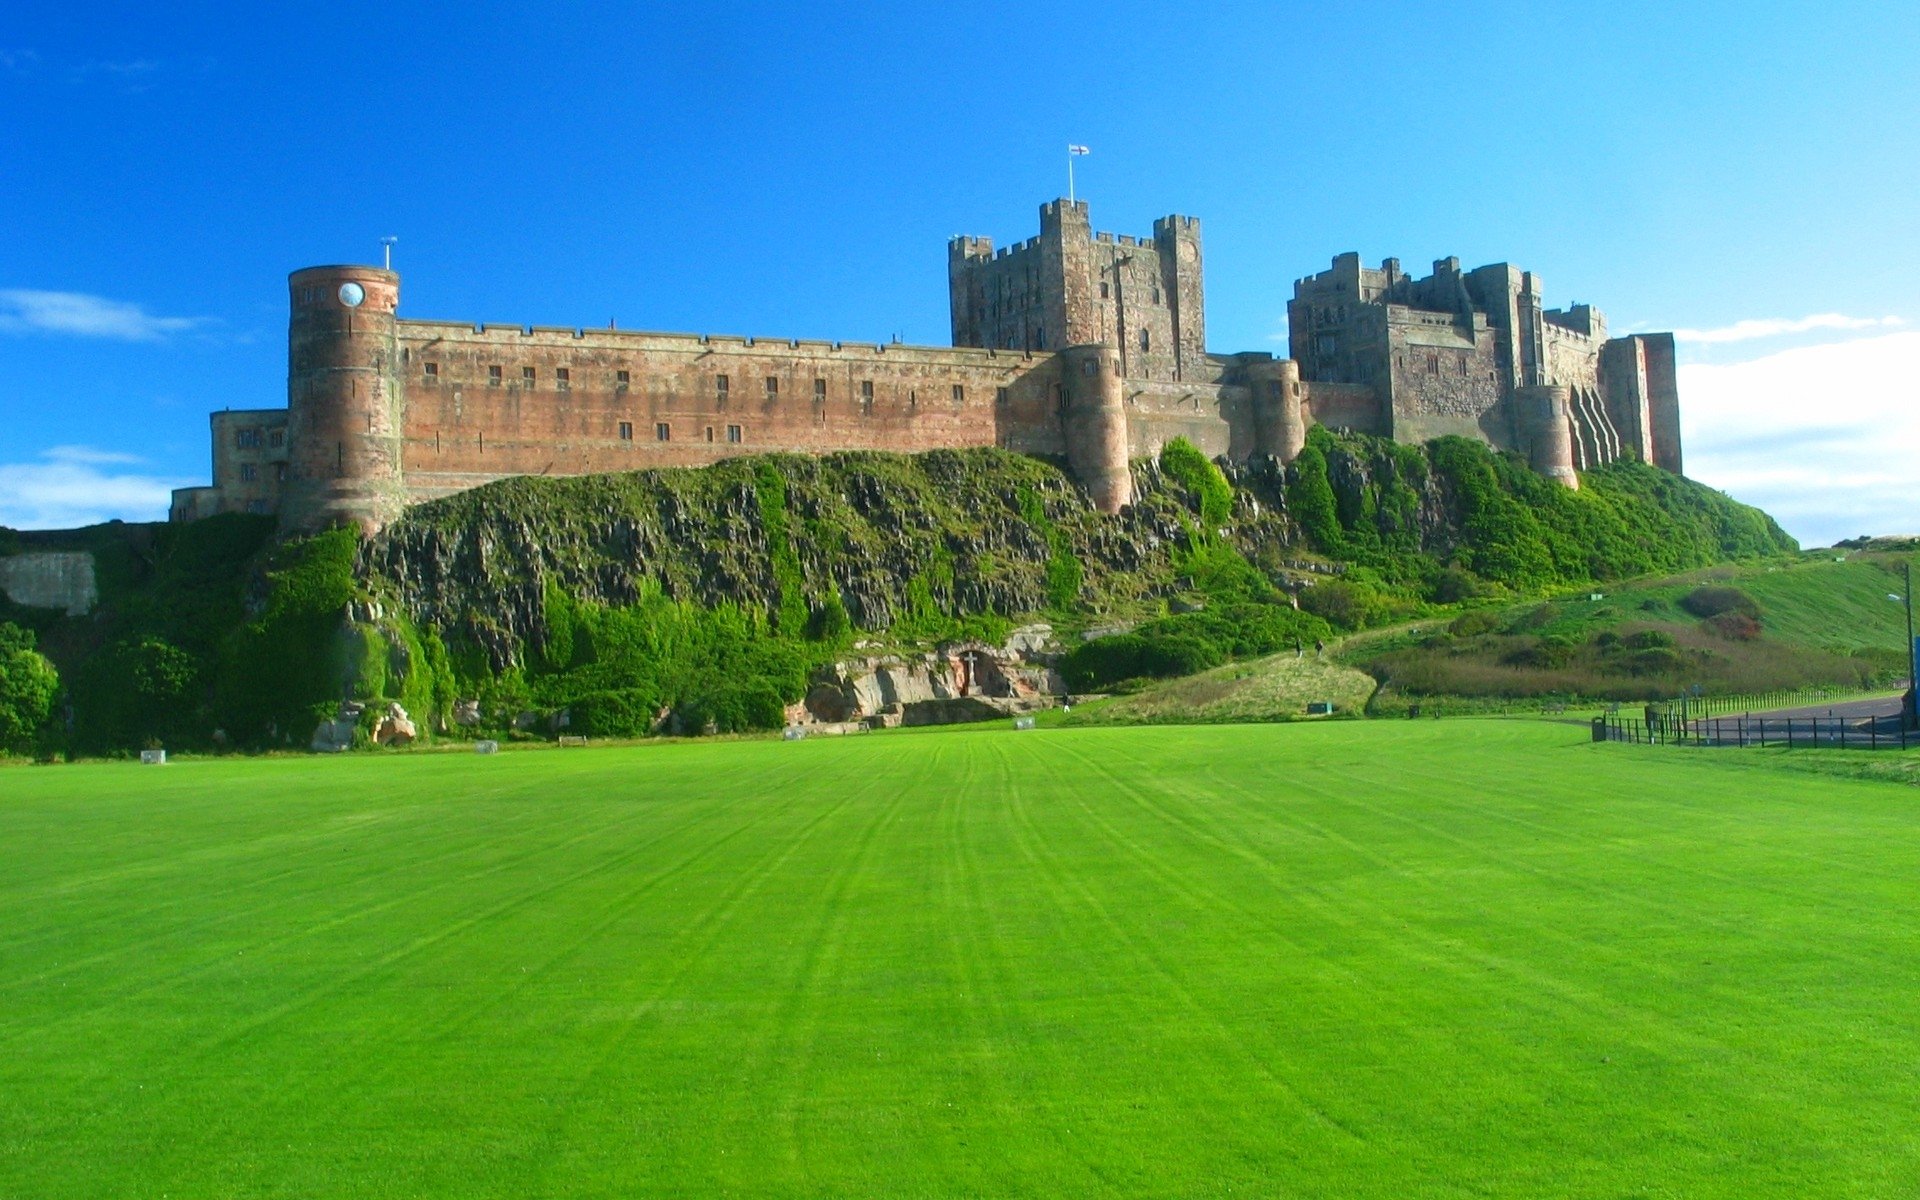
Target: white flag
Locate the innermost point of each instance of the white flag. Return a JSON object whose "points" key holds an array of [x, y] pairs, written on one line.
{"points": [[1078, 150]]}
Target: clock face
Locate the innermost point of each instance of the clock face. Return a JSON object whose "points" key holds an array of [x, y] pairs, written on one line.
{"points": [[351, 294]]}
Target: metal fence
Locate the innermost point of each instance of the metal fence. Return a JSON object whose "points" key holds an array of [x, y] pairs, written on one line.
{"points": [[1851, 733]]}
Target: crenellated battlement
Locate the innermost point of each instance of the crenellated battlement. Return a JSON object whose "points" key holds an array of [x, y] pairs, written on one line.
{"points": [[1085, 344]]}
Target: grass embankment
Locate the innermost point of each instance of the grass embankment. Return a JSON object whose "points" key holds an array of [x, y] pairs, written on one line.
{"points": [[1275, 688], [1365, 960], [1806, 622]]}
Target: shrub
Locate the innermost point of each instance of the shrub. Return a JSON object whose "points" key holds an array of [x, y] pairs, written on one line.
{"points": [[620, 713], [1656, 660], [1712, 601], [1734, 626], [1344, 604], [1473, 624], [1454, 585], [28, 688], [1545, 652], [1182, 461], [1648, 639]]}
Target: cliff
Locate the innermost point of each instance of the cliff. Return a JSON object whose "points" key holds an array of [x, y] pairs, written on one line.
{"points": [[720, 597]]}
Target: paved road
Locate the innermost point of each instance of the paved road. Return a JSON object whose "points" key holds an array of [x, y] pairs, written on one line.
{"points": [[1852, 710]]}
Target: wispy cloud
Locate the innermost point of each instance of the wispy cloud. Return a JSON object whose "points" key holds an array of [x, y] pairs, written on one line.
{"points": [[18, 60], [71, 486], [1824, 437], [1768, 327], [77, 314], [91, 456]]}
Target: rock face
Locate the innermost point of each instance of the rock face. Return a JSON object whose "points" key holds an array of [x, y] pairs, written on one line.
{"points": [[62, 580], [983, 531], [394, 728], [964, 681], [336, 735]]}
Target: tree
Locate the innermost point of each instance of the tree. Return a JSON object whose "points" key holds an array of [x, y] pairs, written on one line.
{"points": [[28, 688]]}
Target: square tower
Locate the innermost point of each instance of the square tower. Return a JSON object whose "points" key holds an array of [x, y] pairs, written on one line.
{"points": [[1071, 286]]}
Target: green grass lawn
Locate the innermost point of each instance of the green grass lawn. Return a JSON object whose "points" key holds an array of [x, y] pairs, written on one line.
{"points": [[1458, 958]]}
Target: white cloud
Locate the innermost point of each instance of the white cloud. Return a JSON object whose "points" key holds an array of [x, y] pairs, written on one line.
{"points": [[71, 486], [77, 314], [1747, 331], [91, 456], [1826, 437]]}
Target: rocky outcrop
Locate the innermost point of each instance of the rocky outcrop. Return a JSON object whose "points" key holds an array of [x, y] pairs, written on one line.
{"points": [[62, 580], [981, 530], [964, 681], [392, 728]]}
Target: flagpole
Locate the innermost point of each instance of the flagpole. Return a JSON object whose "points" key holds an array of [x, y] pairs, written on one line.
{"points": [[1069, 174]]}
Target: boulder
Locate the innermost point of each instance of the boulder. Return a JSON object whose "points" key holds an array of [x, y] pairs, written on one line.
{"points": [[395, 728], [466, 712]]}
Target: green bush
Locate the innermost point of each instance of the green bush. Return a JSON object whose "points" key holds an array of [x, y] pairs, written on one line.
{"points": [[1345, 604], [29, 686], [1182, 462], [1714, 600], [1734, 626], [625, 713]]}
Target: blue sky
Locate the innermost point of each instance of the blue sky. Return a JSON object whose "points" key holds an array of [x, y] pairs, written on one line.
{"points": [[1744, 173]]}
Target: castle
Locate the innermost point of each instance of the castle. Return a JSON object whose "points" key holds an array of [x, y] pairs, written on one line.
{"points": [[1073, 344]]}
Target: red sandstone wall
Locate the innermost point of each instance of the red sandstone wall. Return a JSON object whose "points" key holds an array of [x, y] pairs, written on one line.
{"points": [[464, 427]]}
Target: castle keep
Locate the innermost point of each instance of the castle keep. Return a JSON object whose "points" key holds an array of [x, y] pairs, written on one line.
{"points": [[1072, 344]]}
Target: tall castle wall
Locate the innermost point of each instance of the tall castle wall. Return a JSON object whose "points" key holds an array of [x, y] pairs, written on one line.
{"points": [[1073, 344]]}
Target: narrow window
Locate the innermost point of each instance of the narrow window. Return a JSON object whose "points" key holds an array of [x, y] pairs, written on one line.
{"points": [[277, 438], [819, 391], [1156, 295], [1146, 343], [626, 431], [563, 379], [1433, 364], [959, 393], [621, 379], [1001, 396], [526, 376], [249, 472], [1106, 291], [493, 376], [773, 388], [662, 432], [720, 385], [866, 392], [709, 433], [733, 433], [433, 373]]}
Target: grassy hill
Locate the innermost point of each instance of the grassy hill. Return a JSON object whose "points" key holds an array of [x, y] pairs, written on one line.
{"points": [[1801, 621], [1363, 959]]}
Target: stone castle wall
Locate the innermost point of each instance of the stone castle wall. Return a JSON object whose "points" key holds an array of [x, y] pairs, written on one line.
{"points": [[1071, 344]]}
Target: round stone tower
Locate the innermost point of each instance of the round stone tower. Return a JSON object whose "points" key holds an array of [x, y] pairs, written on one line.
{"points": [[1095, 423], [345, 401], [1279, 425], [1546, 428]]}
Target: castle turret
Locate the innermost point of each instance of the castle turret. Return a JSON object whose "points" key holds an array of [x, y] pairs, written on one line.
{"points": [[1094, 420], [345, 400], [1544, 417], [1279, 425]]}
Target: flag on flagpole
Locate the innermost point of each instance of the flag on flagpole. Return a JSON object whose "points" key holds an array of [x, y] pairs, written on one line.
{"points": [[1078, 150]]}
